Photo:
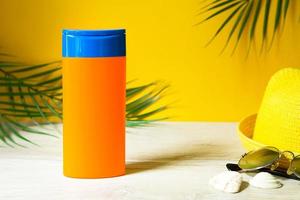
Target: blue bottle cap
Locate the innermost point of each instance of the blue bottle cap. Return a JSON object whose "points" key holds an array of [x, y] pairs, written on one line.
{"points": [[93, 43]]}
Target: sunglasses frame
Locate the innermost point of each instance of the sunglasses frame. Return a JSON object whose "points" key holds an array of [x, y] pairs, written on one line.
{"points": [[274, 163]]}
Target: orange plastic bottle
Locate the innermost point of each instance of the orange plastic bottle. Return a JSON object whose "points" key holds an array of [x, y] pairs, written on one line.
{"points": [[94, 92]]}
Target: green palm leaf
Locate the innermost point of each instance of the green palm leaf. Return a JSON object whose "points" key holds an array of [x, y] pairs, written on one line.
{"points": [[239, 14], [33, 95]]}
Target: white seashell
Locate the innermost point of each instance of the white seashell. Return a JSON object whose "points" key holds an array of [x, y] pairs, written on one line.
{"points": [[265, 180], [228, 181]]}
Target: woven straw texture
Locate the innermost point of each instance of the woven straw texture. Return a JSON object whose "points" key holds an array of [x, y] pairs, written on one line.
{"points": [[245, 131], [278, 119]]}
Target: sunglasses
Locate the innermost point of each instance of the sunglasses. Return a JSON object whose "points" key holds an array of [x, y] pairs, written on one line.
{"points": [[269, 159]]}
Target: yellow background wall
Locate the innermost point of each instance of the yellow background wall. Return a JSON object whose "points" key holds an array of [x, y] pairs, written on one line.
{"points": [[162, 44]]}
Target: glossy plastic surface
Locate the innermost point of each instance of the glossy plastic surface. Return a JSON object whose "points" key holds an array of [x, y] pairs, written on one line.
{"points": [[93, 43]]}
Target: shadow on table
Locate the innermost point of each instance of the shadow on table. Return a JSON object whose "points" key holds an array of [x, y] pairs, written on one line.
{"points": [[197, 152]]}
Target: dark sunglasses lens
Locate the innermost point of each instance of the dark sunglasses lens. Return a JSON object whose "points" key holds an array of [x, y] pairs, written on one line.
{"points": [[296, 165], [259, 158]]}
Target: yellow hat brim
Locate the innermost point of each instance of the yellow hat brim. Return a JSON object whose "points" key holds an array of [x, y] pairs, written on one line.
{"points": [[245, 132]]}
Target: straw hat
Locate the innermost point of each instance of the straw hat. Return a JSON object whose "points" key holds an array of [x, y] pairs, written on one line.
{"points": [[278, 120]]}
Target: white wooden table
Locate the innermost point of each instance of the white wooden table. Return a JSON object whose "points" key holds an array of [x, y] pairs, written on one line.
{"points": [[169, 161]]}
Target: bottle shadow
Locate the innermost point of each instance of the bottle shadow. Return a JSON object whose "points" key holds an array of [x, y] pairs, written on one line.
{"points": [[197, 152]]}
